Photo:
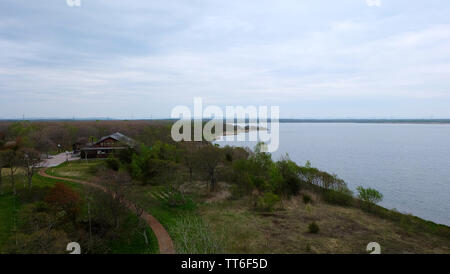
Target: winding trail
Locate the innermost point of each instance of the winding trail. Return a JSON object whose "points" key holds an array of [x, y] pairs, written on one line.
{"points": [[164, 241]]}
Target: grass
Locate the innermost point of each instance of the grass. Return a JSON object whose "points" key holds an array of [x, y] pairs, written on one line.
{"points": [[130, 242], [167, 216], [342, 229], [240, 229], [6, 217], [134, 243], [79, 169]]}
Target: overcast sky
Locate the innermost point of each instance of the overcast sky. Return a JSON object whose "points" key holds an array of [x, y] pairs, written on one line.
{"points": [[139, 59]]}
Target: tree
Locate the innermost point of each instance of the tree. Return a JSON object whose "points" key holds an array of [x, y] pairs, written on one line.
{"points": [[30, 160], [41, 142], [141, 226], [291, 183], [11, 160], [369, 195], [115, 184], [208, 159], [41, 242], [63, 198], [2, 164], [38, 231], [189, 158]]}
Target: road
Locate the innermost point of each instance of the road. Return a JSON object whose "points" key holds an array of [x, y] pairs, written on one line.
{"points": [[56, 160]]}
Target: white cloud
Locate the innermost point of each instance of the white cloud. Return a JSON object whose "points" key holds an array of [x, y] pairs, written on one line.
{"points": [[373, 3], [149, 59], [346, 26]]}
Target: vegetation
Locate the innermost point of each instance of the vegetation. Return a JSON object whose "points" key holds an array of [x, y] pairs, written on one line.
{"points": [[192, 235], [313, 228], [210, 199], [369, 195], [306, 199]]}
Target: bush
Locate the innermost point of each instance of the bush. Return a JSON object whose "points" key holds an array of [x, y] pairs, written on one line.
{"points": [[313, 228], [268, 201], [113, 163], [369, 195], [291, 182], [337, 198], [63, 198], [306, 199]]}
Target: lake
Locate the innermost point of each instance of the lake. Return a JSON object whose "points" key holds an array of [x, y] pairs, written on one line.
{"points": [[408, 163]]}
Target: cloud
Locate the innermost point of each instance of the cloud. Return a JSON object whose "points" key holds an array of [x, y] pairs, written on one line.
{"points": [[111, 59], [347, 26], [373, 3]]}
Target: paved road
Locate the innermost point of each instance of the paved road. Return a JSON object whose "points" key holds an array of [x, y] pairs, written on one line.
{"points": [[56, 160], [164, 241]]}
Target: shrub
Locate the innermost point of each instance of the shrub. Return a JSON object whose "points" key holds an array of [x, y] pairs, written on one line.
{"points": [[291, 182], [229, 157], [308, 248], [113, 163], [268, 201], [238, 191], [63, 198], [306, 199], [337, 198], [369, 195], [313, 228]]}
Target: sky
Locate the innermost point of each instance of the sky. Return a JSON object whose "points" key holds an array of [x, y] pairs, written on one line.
{"points": [[139, 59]]}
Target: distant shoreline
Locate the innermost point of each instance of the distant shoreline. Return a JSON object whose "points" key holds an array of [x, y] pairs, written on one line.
{"points": [[239, 129], [369, 121], [283, 120]]}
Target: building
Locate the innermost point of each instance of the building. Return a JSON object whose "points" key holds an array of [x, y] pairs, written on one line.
{"points": [[107, 146]]}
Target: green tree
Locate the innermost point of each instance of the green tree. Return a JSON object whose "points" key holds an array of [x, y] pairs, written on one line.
{"points": [[369, 195], [291, 182]]}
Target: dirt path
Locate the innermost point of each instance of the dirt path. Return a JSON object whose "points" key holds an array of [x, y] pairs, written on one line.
{"points": [[164, 241]]}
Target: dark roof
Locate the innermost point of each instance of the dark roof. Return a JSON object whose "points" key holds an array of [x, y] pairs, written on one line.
{"points": [[119, 137], [102, 148]]}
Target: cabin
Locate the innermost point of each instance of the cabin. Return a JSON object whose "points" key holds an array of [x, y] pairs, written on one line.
{"points": [[107, 146]]}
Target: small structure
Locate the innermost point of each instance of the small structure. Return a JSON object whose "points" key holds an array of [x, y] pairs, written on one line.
{"points": [[107, 146]]}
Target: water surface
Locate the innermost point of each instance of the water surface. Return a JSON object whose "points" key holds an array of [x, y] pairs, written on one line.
{"points": [[408, 163]]}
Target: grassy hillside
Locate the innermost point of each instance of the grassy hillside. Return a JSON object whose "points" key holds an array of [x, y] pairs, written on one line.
{"points": [[234, 226]]}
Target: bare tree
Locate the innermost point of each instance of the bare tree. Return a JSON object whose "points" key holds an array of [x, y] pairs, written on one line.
{"points": [[190, 148], [30, 159], [141, 227], [12, 161], [208, 159], [41, 142], [2, 164], [115, 183]]}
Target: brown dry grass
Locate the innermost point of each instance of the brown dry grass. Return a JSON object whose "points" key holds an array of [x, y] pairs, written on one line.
{"points": [[342, 229]]}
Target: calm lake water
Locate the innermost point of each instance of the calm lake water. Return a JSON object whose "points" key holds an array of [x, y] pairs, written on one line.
{"points": [[408, 163]]}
